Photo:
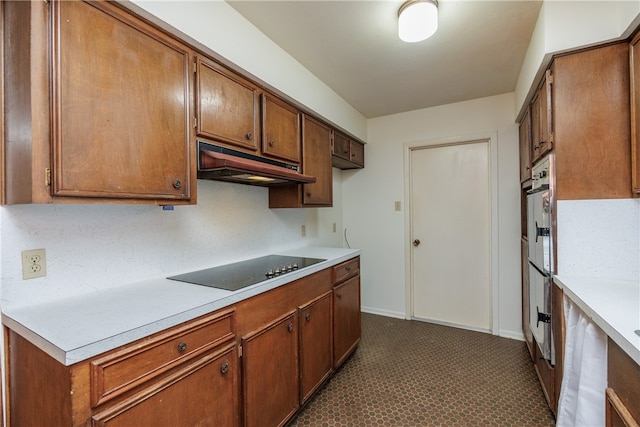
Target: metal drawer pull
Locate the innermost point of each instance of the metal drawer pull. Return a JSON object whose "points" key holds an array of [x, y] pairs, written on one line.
{"points": [[177, 184], [339, 296], [224, 368], [182, 347], [290, 327], [307, 316], [249, 135]]}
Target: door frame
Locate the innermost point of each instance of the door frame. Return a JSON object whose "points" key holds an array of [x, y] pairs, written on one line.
{"points": [[408, 147]]}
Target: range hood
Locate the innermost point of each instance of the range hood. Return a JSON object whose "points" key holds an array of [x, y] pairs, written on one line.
{"points": [[224, 164]]}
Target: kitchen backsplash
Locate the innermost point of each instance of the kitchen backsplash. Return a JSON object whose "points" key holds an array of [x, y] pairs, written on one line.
{"points": [[96, 246], [599, 238]]}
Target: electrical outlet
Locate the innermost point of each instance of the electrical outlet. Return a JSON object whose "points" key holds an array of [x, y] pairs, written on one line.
{"points": [[304, 230], [34, 264]]}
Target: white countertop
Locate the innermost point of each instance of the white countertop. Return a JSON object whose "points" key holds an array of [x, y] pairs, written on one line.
{"points": [[614, 305], [78, 328]]}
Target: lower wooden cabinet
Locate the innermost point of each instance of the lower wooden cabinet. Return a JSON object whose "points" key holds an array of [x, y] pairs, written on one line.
{"points": [[316, 344], [200, 393], [270, 373], [623, 392], [346, 310], [186, 376], [252, 364]]}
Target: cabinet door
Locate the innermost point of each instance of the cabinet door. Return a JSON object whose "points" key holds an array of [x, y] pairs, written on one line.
{"points": [[525, 147], [356, 153], [280, 129], [546, 117], [341, 146], [227, 106], [316, 346], [346, 319], [120, 106], [270, 373], [202, 393], [316, 161]]}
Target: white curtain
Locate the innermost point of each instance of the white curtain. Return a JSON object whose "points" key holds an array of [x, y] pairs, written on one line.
{"points": [[582, 398]]}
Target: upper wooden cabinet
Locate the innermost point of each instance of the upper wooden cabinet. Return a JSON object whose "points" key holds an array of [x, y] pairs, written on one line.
{"points": [[591, 116], [581, 114], [228, 106], [280, 129], [525, 146], [542, 119], [316, 161], [116, 125], [347, 152], [634, 61]]}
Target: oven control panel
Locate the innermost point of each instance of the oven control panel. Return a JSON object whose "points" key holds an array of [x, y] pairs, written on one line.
{"points": [[540, 176]]}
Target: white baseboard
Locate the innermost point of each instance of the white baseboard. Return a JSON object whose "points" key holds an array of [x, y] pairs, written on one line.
{"points": [[387, 313]]}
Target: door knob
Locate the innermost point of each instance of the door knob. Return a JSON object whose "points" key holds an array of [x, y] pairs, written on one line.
{"points": [[416, 242]]}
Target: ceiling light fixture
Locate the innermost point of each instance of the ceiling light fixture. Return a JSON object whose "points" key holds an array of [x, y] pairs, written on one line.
{"points": [[417, 20]]}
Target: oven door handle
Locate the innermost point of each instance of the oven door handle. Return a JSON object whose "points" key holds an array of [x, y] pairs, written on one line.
{"points": [[542, 317], [541, 231]]}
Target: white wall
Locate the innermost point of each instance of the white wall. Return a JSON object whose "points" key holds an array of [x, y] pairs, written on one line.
{"points": [[566, 25], [92, 247], [374, 226]]}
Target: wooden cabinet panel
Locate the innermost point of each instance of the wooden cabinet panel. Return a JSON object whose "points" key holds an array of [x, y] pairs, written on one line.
{"points": [[623, 377], [270, 373], [526, 328], [525, 146], [345, 270], [347, 153], [227, 106], [591, 124], [316, 344], [280, 129], [201, 393], [559, 333], [316, 161], [634, 62], [346, 320], [120, 106], [118, 372], [542, 120]]}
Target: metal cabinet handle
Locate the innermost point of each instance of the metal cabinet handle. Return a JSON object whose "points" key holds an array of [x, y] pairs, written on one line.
{"points": [[339, 296], [272, 143], [307, 316], [177, 184], [182, 347], [249, 136], [416, 242], [348, 268], [224, 368], [290, 327]]}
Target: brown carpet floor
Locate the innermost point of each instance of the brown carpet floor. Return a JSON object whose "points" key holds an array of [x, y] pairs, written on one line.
{"points": [[410, 373]]}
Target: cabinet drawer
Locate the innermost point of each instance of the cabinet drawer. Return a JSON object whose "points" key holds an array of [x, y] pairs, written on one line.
{"points": [[119, 372], [345, 270]]}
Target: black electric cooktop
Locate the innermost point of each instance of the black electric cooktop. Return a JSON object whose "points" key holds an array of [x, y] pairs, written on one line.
{"points": [[241, 274]]}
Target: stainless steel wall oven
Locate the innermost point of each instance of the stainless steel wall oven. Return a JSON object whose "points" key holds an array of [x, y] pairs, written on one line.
{"points": [[540, 204]]}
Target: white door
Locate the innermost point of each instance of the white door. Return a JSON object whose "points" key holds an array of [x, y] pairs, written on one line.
{"points": [[451, 234]]}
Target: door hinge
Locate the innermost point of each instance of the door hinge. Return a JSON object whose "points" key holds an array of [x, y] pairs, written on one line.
{"points": [[239, 351], [47, 176], [195, 67]]}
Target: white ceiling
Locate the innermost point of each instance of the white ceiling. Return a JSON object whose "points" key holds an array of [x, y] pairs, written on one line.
{"points": [[353, 47]]}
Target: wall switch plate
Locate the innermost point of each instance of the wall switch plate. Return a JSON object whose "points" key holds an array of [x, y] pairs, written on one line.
{"points": [[34, 264], [303, 230], [398, 205], [334, 227]]}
